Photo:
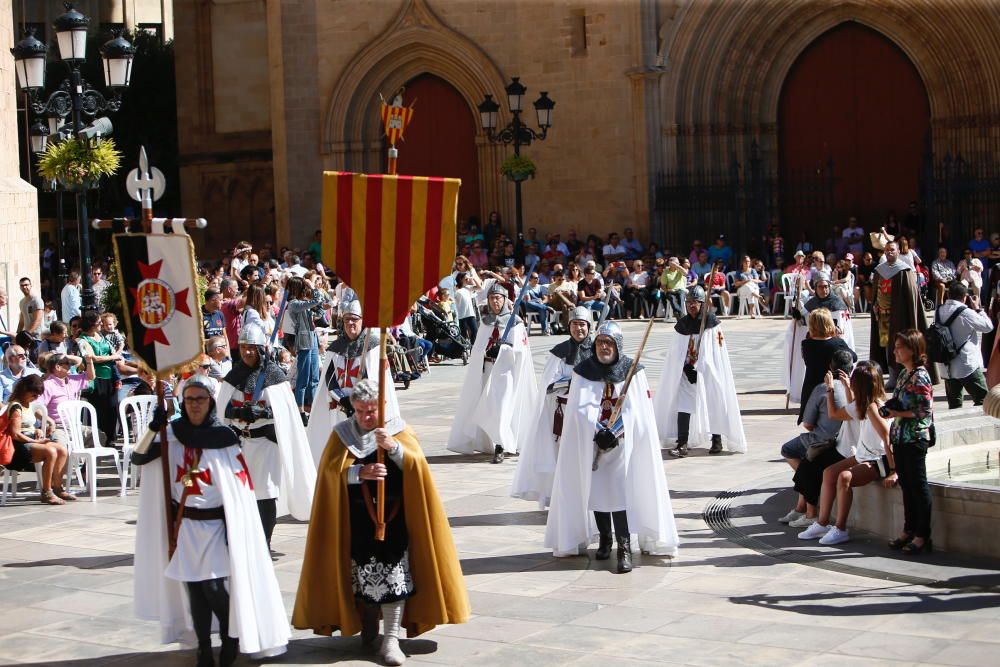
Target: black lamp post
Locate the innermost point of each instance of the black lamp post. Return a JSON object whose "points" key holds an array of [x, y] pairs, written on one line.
{"points": [[516, 132], [75, 99]]}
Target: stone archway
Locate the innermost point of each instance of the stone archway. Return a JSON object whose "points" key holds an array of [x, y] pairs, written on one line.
{"points": [[416, 43]]}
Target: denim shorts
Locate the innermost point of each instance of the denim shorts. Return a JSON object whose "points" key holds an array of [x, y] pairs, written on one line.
{"points": [[794, 449]]}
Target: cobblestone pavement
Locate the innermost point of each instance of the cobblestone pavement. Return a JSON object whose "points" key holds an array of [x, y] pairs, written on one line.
{"points": [[66, 572]]}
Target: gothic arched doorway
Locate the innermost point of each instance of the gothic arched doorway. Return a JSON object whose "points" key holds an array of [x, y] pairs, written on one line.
{"points": [[853, 101], [441, 140]]}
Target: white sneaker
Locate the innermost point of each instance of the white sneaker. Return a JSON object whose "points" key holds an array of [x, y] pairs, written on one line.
{"points": [[791, 516], [835, 536], [814, 531], [802, 522]]}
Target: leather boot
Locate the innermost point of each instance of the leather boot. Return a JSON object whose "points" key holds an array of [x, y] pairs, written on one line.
{"points": [[498, 454], [716, 445], [680, 451], [624, 555], [604, 547], [229, 652], [205, 657]]}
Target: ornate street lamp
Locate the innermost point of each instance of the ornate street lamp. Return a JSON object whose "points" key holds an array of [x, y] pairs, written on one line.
{"points": [[39, 133], [74, 99], [516, 132]]}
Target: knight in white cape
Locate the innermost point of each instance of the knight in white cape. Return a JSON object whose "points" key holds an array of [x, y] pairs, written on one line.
{"points": [[221, 566], [628, 490], [257, 401], [696, 399], [537, 465], [499, 388], [793, 368], [353, 356]]}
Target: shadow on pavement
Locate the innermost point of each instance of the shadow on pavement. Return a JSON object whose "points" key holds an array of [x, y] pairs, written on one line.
{"points": [[846, 604], [506, 519], [81, 563]]}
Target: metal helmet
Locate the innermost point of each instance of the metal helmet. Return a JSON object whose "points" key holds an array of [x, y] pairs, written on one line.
{"points": [[581, 314], [614, 332], [209, 384], [497, 288], [253, 334], [696, 293], [352, 308]]}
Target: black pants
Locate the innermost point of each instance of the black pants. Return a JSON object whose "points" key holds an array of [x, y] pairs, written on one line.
{"points": [[620, 519], [268, 510], [974, 383], [673, 301], [911, 469], [104, 398], [469, 328], [209, 597], [684, 427]]}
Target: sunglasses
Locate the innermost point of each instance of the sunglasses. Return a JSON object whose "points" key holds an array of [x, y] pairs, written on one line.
{"points": [[206, 365]]}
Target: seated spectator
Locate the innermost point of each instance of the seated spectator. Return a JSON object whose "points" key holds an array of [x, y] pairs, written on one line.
{"points": [[562, 299], [979, 246], [673, 288], [971, 275], [702, 267], [747, 284], [536, 299], [573, 244], [907, 253], [613, 251], [32, 444], [965, 371], [692, 276], [821, 431], [16, 359], [62, 384], [633, 249], [478, 257], [842, 281], [854, 235], [637, 292], [718, 288], [696, 250], [615, 280], [553, 253], [873, 458], [653, 252], [531, 256], [942, 273], [819, 267], [590, 291]]}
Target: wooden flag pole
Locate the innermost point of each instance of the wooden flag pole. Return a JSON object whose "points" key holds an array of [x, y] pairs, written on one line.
{"points": [[165, 468], [383, 366]]}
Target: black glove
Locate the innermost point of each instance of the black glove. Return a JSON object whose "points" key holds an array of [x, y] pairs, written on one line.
{"points": [[345, 405], [246, 414], [605, 439], [159, 419], [797, 315], [492, 352], [690, 373]]}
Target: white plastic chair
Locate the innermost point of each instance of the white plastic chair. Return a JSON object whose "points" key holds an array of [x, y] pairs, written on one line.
{"points": [[132, 430], [9, 484], [789, 282], [71, 415]]}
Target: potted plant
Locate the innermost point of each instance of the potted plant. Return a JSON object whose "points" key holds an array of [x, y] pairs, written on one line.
{"points": [[518, 168], [77, 165]]}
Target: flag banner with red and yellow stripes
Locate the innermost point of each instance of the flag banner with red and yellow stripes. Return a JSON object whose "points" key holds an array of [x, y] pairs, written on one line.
{"points": [[395, 119], [390, 238]]}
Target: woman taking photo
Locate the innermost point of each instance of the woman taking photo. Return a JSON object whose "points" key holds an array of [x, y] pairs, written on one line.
{"points": [[102, 394], [31, 445], [872, 459], [911, 435]]}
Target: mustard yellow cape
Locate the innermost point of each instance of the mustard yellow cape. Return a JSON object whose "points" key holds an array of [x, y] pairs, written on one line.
{"points": [[325, 600]]}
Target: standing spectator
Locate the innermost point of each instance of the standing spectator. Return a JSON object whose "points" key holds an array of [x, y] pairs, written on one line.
{"points": [[536, 300], [32, 445], [633, 249], [864, 285], [818, 350], [907, 253], [492, 229], [17, 367], [465, 305], [103, 392], [721, 252], [979, 246], [6, 334], [54, 342], [673, 288], [218, 351], [965, 371], [316, 247], [695, 255], [804, 245], [911, 435], [302, 298], [942, 273], [99, 284], [613, 251], [231, 306], [295, 266], [855, 236], [213, 323], [32, 310], [70, 297]]}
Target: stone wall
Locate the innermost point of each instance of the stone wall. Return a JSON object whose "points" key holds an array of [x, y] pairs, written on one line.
{"points": [[18, 199]]}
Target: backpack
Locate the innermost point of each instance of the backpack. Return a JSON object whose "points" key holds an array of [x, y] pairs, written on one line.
{"points": [[941, 347]]}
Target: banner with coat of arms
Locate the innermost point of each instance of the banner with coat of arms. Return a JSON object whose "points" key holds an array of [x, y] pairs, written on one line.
{"points": [[156, 275]]}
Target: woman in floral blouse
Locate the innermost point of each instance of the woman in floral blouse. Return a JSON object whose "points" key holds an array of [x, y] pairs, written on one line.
{"points": [[911, 436]]}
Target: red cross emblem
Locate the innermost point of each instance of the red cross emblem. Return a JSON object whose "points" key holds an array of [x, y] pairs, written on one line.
{"points": [[721, 338], [189, 474], [607, 401], [244, 475], [495, 336], [349, 374]]}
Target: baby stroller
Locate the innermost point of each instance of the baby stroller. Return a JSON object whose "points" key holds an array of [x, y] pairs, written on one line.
{"points": [[448, 341]]}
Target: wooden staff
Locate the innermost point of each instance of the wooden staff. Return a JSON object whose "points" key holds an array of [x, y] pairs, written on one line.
{"points": [[383, 367], [165, 469]]}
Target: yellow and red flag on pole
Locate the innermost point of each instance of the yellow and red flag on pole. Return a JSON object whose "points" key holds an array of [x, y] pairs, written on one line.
{"points": [[395, 118], [391, 238]]}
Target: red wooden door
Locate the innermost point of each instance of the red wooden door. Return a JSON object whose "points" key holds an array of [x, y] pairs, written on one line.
{"points": [[441, 139], [854, 97]]}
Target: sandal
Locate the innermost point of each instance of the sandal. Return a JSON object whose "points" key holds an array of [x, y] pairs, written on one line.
{"points": [[49, 498], [64, 494], [900, 542], [913, 549]]}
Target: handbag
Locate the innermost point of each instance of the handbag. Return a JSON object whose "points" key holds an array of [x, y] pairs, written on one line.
{"points": [[817, 448], [6, 440]]}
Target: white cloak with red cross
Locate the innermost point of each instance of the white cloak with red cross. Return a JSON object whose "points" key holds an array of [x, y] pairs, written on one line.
{"points": [[257, 614]]}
